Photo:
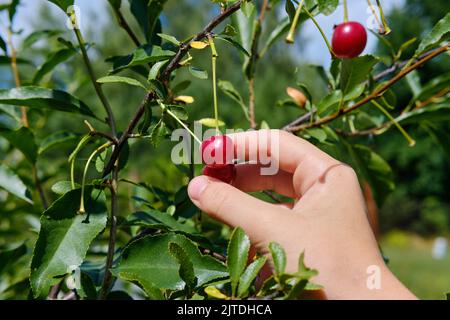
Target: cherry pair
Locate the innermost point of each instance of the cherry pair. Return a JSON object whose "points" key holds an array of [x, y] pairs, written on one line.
{"points": [[218, 156]]}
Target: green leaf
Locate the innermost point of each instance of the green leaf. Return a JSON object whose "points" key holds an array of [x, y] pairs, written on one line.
{"points": [[23, 140], [234, 43], [159, 131], [52, 61], [41, 98], [62, 187], [154, 71], [278, 258], [141, 56], [355, 71], [433, 113], [281, 28], [118, 79], [439, 33], [228, 88], [247, 8], [57, 140], [327, 7], [7, 60], [149, 262], [38, 35], [13, 184], [65, 237], [63, 4], [159, 220], [290, 9], [237, 251], [12, 9], [116, 4], [169, 38], [179, 111], [249, 276], [298, 287], [146, 13], [432, 87], [9, 257], [186, 271], [198, 73]]}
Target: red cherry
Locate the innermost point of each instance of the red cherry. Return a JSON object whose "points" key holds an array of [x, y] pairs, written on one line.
{"points": [[225, 173], [217, 151], [349, 40]]}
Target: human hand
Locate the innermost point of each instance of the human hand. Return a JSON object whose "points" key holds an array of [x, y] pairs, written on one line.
{"points": [[327, 220]]}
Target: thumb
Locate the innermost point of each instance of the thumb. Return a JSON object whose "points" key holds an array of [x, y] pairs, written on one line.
{"points": [[230, 205]]}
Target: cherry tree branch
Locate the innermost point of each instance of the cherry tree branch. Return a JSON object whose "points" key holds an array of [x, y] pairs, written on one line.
{"points": [[299, 126], [164, 76]]}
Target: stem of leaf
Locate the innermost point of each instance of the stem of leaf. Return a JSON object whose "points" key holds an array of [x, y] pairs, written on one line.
{"points": [[345, 11], [291, 33], [173, 115], [381, 29], [410, 140], [386, 28], [321, 32], [86, 167], [214, 56]]}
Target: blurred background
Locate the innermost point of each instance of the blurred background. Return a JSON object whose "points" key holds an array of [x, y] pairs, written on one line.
{"points": [[415, 217]]}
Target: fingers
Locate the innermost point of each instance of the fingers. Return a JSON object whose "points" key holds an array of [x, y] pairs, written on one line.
{"points": [[282, 150], [249, 179], [225, 203]]}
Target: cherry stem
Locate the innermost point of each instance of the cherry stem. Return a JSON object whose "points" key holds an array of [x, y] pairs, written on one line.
{"points": [[290, 36], [410, 140], [321, 32], [386, 28], [381, 29], [179, 121], [86, 167], [214, 56], [345, 11]]}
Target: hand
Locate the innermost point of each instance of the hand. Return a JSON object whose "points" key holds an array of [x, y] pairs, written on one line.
{"points": [[327, 220]]}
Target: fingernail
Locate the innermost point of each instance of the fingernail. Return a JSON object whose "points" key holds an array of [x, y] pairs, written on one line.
{"points": [[196, 187]]}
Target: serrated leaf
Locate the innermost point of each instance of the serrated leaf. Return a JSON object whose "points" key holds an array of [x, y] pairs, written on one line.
{"points": [[13, 184], [159, 131], [155, 219], [169, 38], [440, 32], [148, 261], [186, 271], [146, 13], [278, 258], [154, 71], [65, 237], [125, 80], [23, 140], [237, 255], [56, 140], [327, 7], [42, 98], [235, 44], [249, 276]]}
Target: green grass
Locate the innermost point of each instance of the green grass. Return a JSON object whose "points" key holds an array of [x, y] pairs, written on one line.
{"points": [[412, 263]]}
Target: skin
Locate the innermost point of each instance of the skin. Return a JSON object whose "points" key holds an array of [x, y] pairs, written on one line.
{"points": [[327, 219]]}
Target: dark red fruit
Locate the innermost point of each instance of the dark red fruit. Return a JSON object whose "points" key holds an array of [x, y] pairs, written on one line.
{"points": [[217, 151], [225, 173], [349, 40]]}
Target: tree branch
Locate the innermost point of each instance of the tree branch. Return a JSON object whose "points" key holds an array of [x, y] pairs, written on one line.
{"points": [[164, 76], [374, 95]]}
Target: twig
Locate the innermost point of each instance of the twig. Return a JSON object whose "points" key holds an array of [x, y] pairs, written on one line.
{"points": [[124, 25], [374, 95], [173, 64], [98, 89], [112, 235], [251, 102]]}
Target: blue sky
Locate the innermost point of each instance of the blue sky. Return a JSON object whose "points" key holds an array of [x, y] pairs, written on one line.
{"points": [[315, 51]]}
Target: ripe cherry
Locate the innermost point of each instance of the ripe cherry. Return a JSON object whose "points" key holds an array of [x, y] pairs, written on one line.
{"points": [[225, 173], [217, 151], [349, 40]]}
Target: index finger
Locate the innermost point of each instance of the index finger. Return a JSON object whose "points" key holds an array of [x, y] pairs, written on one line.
{"points": [[277, 149]]}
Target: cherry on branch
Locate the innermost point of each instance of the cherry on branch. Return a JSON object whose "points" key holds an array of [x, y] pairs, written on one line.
{"points": [[217, 151], [349, 40]]}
